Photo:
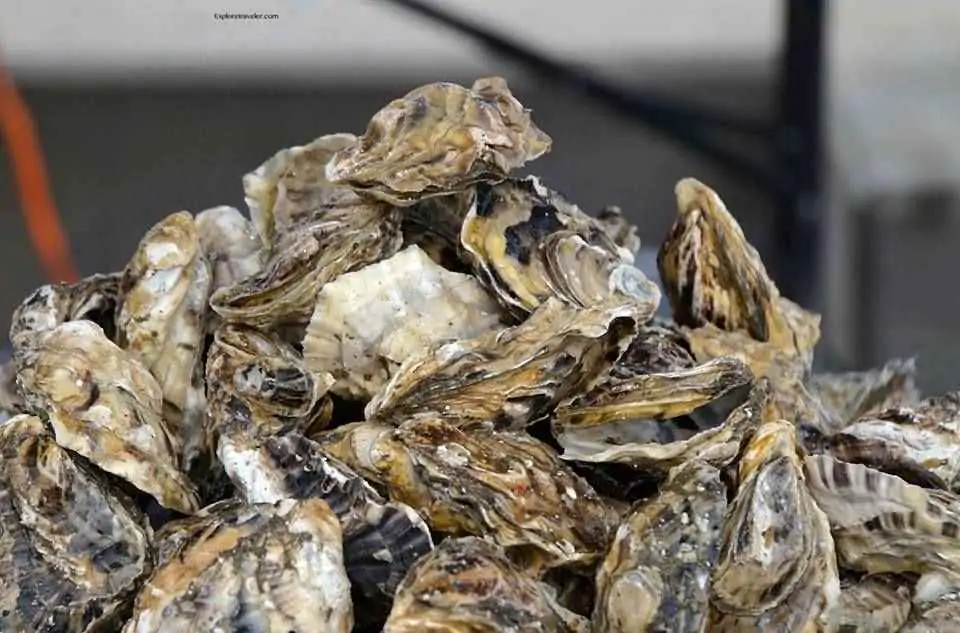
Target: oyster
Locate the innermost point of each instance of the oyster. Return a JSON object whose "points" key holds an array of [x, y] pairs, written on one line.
{"points": [[161, 321], [269, 377], [10, 401], [875, 604], [104, 404], [941, 616], [504, 485], [467, 584], [659, 347], [713, 275], [233, 567], [340, 237], [512, 376], [656, 574], [777, 567], [528, 243], [440, 138], [651, 421], [72, 550], [94, 298], [381, 540], [231, 244], [618, 229], [366, 323], [882, 523], [853, 395], [292, 186]]}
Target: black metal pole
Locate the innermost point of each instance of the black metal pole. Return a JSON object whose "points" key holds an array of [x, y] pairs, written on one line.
{"points": [[799, 207]]}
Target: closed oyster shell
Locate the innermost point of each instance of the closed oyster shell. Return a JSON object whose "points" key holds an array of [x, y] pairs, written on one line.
{"points": [[232, 567], [777, 566], [632, 423], [104, 404], [712, 275], [381, 540], [656, 573], [292, 186], [513, 376], [875, 604], [467, 584], [269, 377], [504, 485], [440, 138], [855, 394], [366, 323], [342, 236], [94, 298], [528, 244], [72, 550], [231, 245], [883, 524], [162, 322]]}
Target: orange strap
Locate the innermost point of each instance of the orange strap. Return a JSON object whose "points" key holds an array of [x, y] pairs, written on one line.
{"points": [[36, 203]]}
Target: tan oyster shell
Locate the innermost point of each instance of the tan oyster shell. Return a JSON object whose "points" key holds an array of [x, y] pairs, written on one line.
{"points": [[292, 186], [366, 323], [656, 573], [234, 567], [94, 298], [632, 428], [855, 394], [875, 604], [104, 404], [337, 239], [777, 567], [512, 376], [440, 138], [231, 244], [269, 377], [938, 617], [883, 524], [504, 485], [713, 275], [528, 243], [467, 584], [161, 321], [72, 551]]}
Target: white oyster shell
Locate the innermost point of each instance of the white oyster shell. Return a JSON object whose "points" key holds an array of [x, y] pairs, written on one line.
{"points": [[366, 323], [231, 243]]}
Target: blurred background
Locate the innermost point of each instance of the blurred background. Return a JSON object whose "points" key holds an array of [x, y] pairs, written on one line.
{"points": [[831, 125]]}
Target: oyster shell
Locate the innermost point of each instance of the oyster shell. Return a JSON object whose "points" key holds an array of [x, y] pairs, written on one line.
{"points": [[340, 237], [713, 275], [231, 245], [939, 617], [659, 347], [777, 566], [366, 323], [94, 298], [853, 395], [381, 540], [72, 550], [440, 138], [269, 377], [618, 229], [434, 225], [883, 524], [504, 485], [528, 243], [656, 573], [512, 376], [104, 404], [232, 567], [467, 584], [639, 421], [10, 401], [161, 321], [875, 604]]}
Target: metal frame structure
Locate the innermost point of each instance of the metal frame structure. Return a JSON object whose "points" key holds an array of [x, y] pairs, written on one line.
{"points": [[792, 179]]}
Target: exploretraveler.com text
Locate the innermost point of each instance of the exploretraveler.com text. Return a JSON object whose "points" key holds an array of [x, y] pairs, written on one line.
{"points": [[246, 16]]}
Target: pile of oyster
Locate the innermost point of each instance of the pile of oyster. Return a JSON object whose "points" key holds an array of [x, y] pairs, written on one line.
{"points": [[413, 392]]}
